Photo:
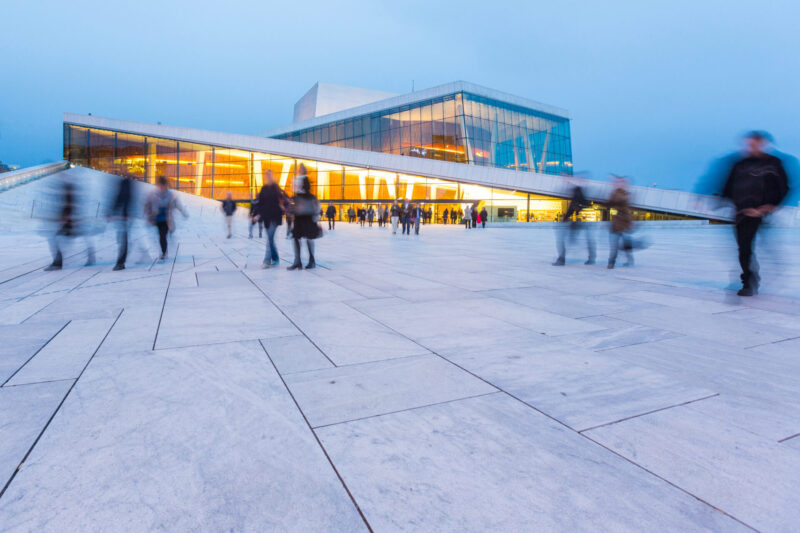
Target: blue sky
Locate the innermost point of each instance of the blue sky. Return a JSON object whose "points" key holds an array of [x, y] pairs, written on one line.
{"points": [[656, 89]]}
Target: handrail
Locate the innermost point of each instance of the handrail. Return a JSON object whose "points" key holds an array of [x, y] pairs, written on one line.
{"points": [[9, 180]]}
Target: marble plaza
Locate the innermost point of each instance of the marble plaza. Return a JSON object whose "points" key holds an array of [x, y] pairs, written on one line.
{"points": [[451, 381]]}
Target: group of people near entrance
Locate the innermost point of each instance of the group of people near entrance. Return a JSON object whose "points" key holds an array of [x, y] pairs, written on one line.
{"points": [[756, 184]]}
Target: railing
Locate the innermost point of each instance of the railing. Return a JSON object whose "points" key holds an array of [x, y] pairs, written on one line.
{"points": [[15, 178]]}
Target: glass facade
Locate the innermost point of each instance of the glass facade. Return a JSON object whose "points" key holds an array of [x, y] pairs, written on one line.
{"points": [[212, 171], [462, 128]]}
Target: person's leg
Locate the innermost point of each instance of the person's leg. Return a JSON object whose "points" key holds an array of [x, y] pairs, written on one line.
{"points": [[162, 237], [394, 224], [561, 244], [271, 251], [590, 244], [55, 250], [627, 244], [250, 233], [297, 261], [122, 239], [613, 246], [745, 235], [311, 261], [260, 227]]}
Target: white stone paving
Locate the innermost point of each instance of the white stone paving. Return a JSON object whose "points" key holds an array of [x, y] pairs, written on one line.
{"points": [[451, 381]]}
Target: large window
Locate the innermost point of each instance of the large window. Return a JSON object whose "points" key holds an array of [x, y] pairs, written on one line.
{"points": [[462, 128]]}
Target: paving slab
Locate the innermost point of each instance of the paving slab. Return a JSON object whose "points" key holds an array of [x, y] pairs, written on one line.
{"points": [[745, 475], [24, 411], [580, 388], [20, 342], [492, 464], [192, 439], [350, 392], [66, 355], [295, 354]]}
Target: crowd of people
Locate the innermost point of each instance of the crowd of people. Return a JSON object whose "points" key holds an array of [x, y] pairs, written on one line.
{"points": [[755, 184]]}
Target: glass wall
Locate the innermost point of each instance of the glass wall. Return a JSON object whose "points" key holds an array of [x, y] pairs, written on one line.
{"points": [[212, 171], [463, 128]]}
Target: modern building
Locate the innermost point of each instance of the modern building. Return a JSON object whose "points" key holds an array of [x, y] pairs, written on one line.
{"points": [[446, 147]]}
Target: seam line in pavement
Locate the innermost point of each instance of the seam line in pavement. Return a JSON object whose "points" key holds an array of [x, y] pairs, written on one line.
{"points": [[319, 442], [443, 402], [649, 412], [287, 318], [36, 353], [790, 437], [58, 408], [166, 293], [559, 422]]}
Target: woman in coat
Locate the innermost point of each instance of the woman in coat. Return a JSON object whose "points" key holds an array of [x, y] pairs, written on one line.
{"points": [[305, 207], [158, 210], [621, 224]]}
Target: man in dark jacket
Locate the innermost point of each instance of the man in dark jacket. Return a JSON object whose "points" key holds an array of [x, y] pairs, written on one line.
{"points": [[228, 208], [120, 211], [270, 210], [568, 228], [484, 216], [756, 185], [330, 213]]}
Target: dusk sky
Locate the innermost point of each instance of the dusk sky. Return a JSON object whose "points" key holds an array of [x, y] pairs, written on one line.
{"points": [[655, 90]]}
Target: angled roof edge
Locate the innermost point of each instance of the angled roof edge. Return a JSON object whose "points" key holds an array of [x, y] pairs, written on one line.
{"points": [[648, 198], [419, 96]]}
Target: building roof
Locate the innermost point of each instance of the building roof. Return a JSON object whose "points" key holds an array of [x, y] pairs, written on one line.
{"points": [[648, 198], [418, 96]]}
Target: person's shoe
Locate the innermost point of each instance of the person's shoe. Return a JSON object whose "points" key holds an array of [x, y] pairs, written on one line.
{"points": [[52, 267], [229, 236], [590, 262], [163, 257], [294, 266], [310, 265], [559, 262], [118, 266], [610, 266], [265, 265], [628, 264], [89, 261], [745, 291]]}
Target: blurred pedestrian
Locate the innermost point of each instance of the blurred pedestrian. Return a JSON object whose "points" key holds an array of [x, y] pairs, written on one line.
{"points": [[305, 207], [395, 212], [621, 224], [68, 224], [370, 215], [255, 219], [756, 185], [228, 208], [271, 205], [120, 213], [405, 218], [473, 214], [351, 215], [484, 216], [445, 215], [330, 214], [159, 211], [568, 228], [467, 220]]}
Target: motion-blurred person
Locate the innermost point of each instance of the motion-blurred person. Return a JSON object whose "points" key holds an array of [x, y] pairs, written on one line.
{"points": [[159, 211], [120, 213], [473, 215], [370, 215], [417, 215], [330, 214], [445, 215], [621, 224], [484, 216], [68, 224], [351, 215], [228, 208], [305, 207], [394, 212], [568, 229], [255, 219], [405, 218], [756, 185], [429, 216], [271, 204], [380, 215], [467, 216]]}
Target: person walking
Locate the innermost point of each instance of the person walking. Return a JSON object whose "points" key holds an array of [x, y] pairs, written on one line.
{"points": [[405, 217], [484, 216], [756, 185], [271, 205], [305, 207], [455, 216], [228, 208], [255, 219], [370, 215], [467, 217], [159, 211], [380, 215], [473, 213], [330, 214], [351, 215], [121, 212], [395, 214], [621, 224], [68, 224], [445, 215], [567, 228]]}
